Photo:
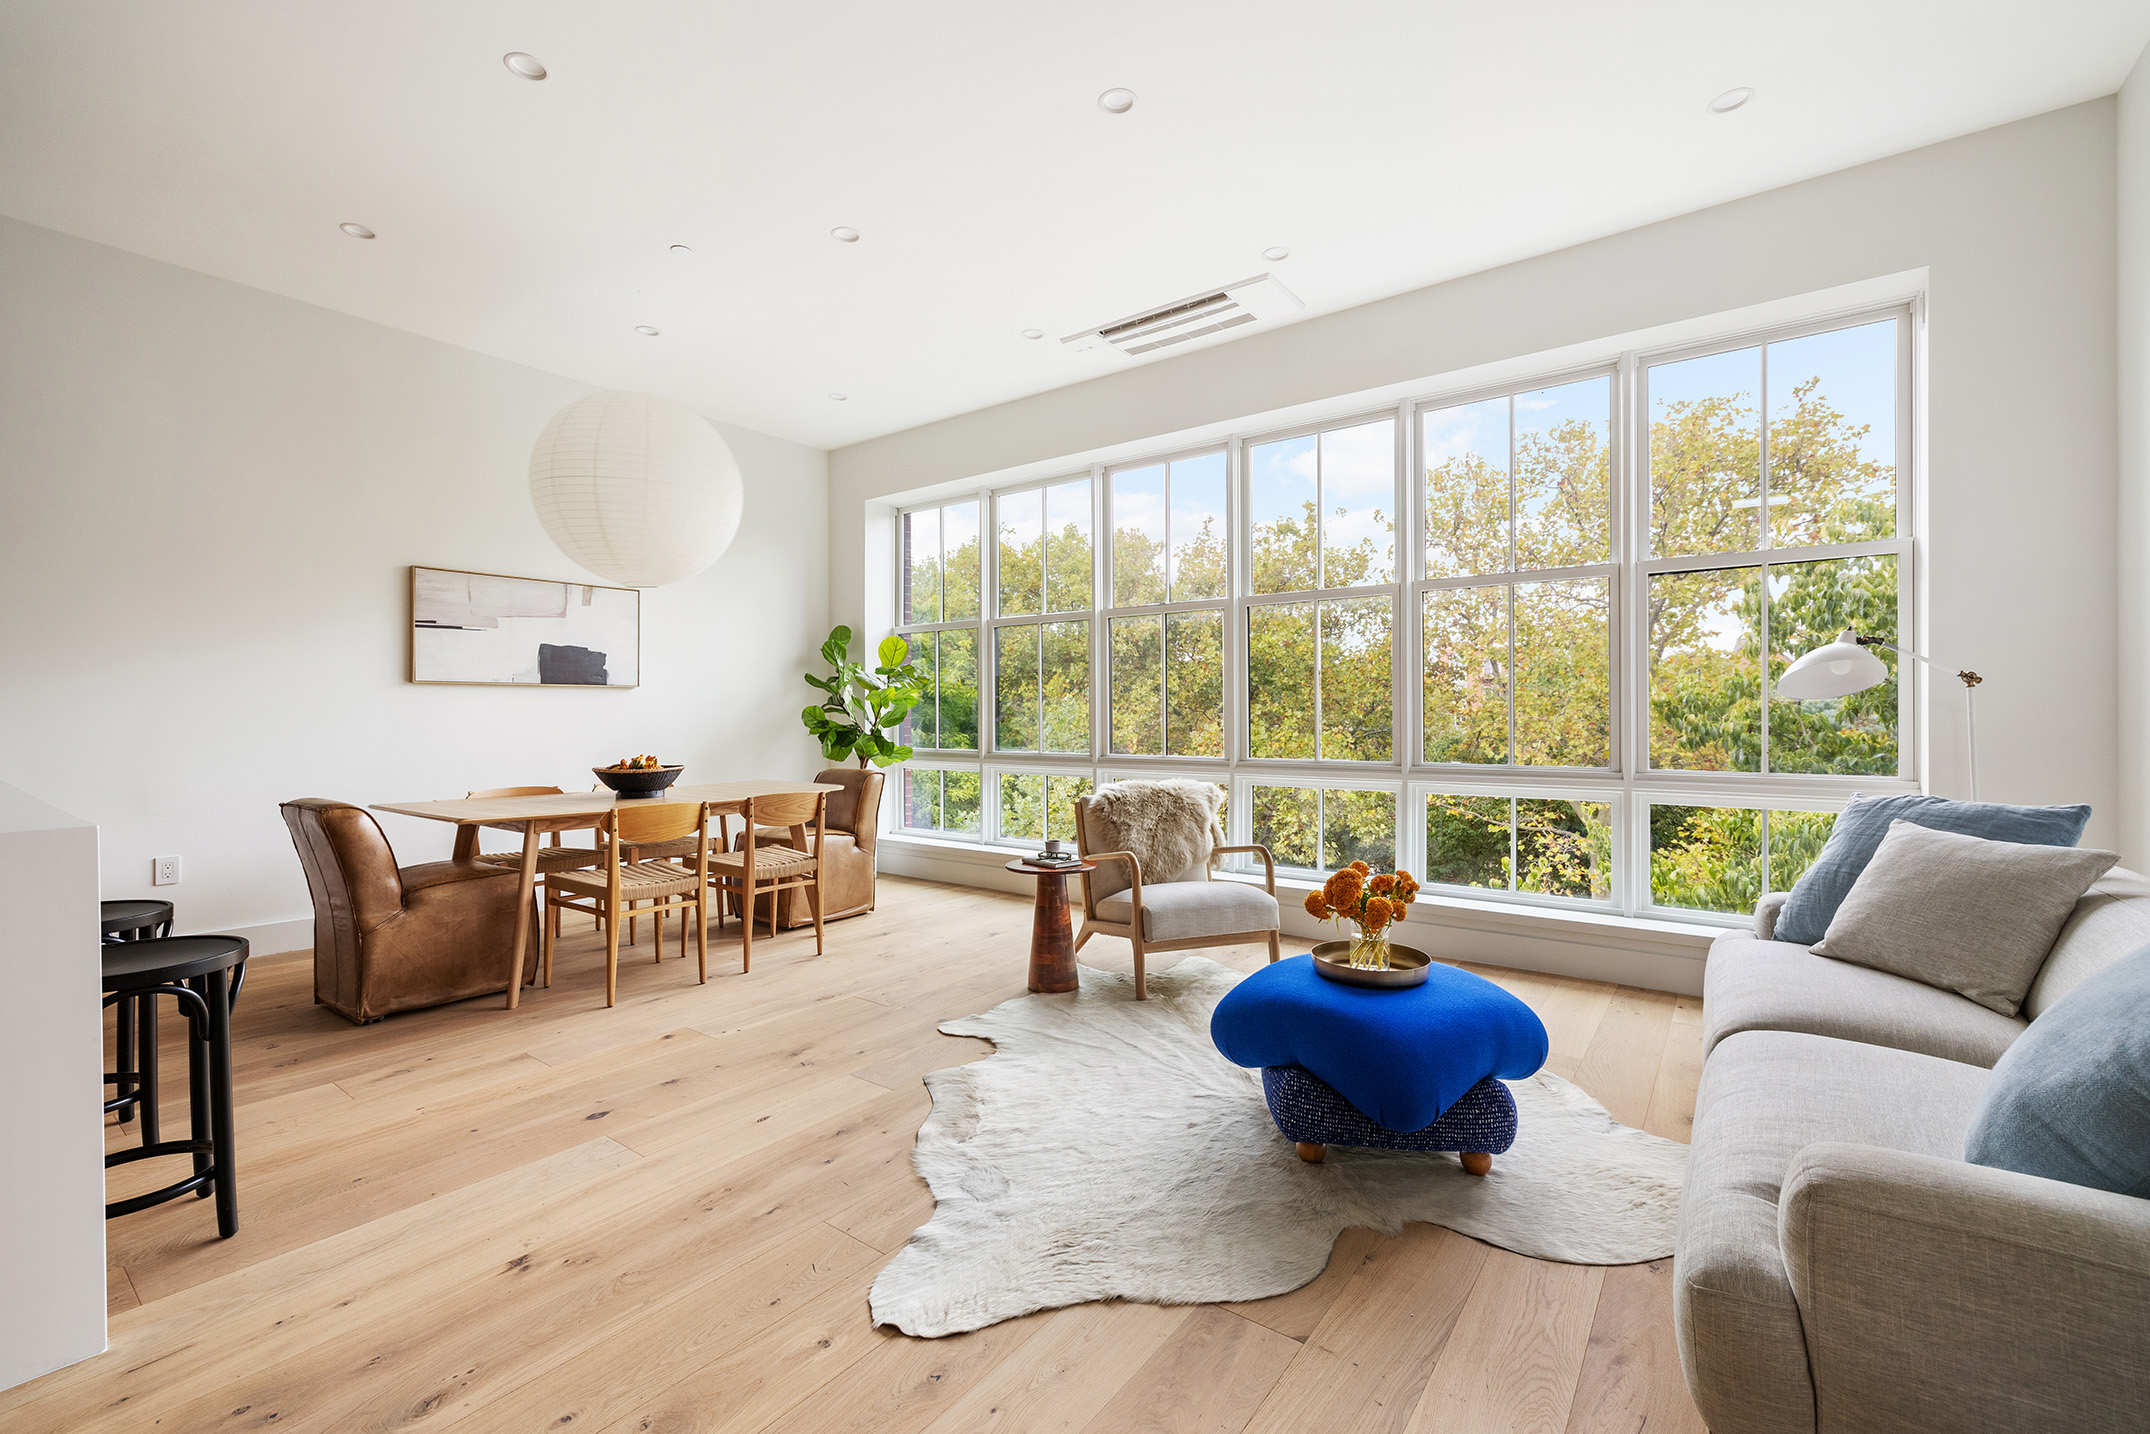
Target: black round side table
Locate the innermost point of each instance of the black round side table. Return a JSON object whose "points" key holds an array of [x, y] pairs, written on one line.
{"points": [[195, 971], [135, 921]]}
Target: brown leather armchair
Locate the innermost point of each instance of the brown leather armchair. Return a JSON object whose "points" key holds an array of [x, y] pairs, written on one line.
{"points": [[847, 855], [389, 939]]}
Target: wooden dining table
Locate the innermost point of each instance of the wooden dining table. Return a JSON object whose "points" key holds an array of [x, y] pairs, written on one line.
{"points": [[573, 811]]}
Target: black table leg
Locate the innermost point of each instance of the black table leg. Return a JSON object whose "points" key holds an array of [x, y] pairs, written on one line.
{"points": [[220, 1109], [126, 1084], [199, 1125], [147, 1069]]}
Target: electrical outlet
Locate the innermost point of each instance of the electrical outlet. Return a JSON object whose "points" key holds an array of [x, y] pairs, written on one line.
{"points": [[165, 871]]}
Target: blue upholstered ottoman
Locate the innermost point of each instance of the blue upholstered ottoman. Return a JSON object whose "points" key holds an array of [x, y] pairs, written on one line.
{"points": [[1413, 1069]]}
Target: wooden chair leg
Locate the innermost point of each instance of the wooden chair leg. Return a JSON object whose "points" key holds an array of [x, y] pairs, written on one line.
{"points": [[552, 927], [1312, 1153], [658, 922], [1082, 936], [1477, 1162], [814, 896], [701, 935], [612, 960], [1142, 982], [1274, 952], [746, 925]]}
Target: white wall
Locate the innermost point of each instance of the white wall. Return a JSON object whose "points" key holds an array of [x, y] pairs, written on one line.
{"points": [[52, 1226], [209, 499], [2133, 168], [2014, 230]]}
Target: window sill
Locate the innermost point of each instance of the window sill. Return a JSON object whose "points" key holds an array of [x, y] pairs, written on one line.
{"points": [[1595, 945]]}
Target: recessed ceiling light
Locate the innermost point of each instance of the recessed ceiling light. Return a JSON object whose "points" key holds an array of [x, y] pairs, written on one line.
{"points": [[356, 231], [1277, 254], [844, 234], [681, 249], [646, 331], [841, 397], [530, 67], [1033, 333], [1116, 101], [1731, 100]]}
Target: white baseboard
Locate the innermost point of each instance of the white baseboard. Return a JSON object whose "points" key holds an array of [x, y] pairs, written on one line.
{"points": [[268, 938], [1655, 955]]}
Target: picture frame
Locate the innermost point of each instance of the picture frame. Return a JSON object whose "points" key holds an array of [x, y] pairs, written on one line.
{"points": [[476, 629]]}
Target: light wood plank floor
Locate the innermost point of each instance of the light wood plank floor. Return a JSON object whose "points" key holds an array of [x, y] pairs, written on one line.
{"points": [[665, 1216]]}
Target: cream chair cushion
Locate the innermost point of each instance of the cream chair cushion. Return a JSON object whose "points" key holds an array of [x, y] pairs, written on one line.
{"points": [[1186, 910]]}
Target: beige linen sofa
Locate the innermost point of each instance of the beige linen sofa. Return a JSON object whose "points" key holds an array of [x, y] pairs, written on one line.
{"points": [[1841, 1267]]}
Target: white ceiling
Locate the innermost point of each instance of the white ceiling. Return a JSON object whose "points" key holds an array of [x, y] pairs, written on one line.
{"points": [[1389, 145]]}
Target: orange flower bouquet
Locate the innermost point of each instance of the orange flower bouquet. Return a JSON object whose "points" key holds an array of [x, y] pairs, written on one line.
{"points": [[1372, 901]]}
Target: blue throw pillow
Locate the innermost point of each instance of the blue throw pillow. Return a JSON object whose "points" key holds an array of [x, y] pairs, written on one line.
{"points": [[2070, 1100], [1858, 832], [1401, 1056]]}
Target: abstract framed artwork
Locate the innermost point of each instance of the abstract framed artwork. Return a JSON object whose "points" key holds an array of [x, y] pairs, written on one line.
{"points": [[482, 628]]}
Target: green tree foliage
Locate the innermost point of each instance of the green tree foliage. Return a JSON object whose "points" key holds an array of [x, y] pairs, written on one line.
{"points": [[1320, 667]]}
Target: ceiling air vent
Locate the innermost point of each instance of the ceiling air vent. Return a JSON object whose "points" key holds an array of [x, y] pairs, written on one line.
{"points": [[1260, 297]]}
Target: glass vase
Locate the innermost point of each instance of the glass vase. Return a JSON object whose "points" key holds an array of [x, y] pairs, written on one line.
{"points": [[1370, 953]]}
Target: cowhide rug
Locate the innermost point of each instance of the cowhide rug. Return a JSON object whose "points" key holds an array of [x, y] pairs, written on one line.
{"points": [[1106, 1151]]}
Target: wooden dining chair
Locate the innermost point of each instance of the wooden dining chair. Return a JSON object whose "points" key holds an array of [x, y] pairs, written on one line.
{"points": [[680, 849], [609, 892], [760, 868], [551, 858]]}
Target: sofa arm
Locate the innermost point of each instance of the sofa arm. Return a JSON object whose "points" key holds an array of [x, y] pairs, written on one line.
{"points": [[1938, 1294], [1766, 912]]}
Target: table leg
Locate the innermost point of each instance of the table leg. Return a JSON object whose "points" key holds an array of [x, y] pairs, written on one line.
{"points": [[527, 894], [1052, 938]]}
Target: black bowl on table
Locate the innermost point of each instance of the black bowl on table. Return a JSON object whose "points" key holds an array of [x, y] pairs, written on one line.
{"points": [[638, 781]]}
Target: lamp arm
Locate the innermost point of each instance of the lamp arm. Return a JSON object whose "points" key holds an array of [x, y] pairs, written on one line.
{"points": [[1967, 677], [1970, 682]]}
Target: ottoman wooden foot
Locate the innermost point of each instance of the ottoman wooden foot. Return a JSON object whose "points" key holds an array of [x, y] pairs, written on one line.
{"points": [[1312, 1153], [1477, 1162]]}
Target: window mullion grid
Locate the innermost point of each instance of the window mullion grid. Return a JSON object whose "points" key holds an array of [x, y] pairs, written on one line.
{"points": [[1164, 634], [1508, 607], [1100, 630], [1762, 636], [1630, 787]]}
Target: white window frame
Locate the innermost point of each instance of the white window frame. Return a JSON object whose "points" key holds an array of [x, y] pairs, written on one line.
{"points": [[1627, 784]]}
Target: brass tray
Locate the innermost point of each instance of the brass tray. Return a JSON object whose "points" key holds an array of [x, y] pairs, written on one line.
{"points": [[1407, 967]]}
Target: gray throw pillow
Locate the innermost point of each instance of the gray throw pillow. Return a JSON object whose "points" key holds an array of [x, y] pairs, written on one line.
{"points": [[1859, 829], [1968, 915], [2070, 1100]]}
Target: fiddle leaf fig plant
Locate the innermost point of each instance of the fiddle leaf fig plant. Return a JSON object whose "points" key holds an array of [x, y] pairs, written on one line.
{"points": [[865, 705]]}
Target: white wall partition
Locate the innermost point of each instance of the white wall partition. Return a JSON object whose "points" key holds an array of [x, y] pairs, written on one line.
{"points": [[52, 1216]]}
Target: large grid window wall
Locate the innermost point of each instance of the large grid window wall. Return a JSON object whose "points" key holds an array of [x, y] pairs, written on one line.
{"points": [[1521, 640]]}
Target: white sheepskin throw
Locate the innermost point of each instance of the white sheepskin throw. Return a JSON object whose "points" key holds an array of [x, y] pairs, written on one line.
{"points": [[1170, 825], [1106, 1151]]}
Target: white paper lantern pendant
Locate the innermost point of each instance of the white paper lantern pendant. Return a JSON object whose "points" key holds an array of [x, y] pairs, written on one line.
{"points": [[636, 488]]}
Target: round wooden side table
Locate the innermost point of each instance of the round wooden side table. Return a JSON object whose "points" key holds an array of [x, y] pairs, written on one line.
{"points": [[1052, 930]]}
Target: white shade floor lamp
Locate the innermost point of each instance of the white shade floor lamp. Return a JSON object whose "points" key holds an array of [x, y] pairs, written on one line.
{"points": [[1843, 667]]}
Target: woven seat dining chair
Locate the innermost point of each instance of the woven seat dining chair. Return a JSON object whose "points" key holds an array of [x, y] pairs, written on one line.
{"points": [[551, 857], [760, 868], [608, 891], [680, 849], [847, 851], [1170, 912]]}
